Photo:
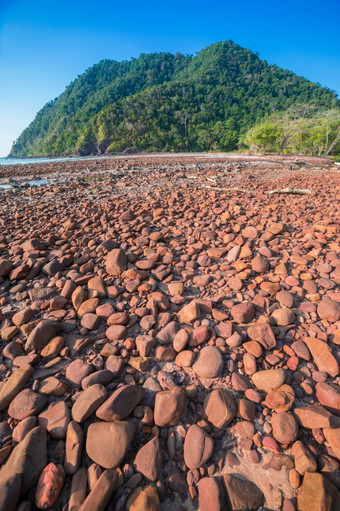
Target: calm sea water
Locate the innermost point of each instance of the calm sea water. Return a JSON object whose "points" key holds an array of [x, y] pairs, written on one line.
{"points": [[22, 161]]}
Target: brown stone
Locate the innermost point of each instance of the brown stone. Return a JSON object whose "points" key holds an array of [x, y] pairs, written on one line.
{"points": [[88, 402], [269, 379], [27, 459], [15, 383], [42, 334], [116, 262], [303, 460], [243, 312], [198, 447], [285, 427], [318, 493], [148, 460], [316, 416], [243, 495], [209, 494], [220, 408], [329, 310], [322, 356], [169, 406], [328, 395], [49, 486], [262, 333], [26, 403], [209, 363], [189, 313], [73, 448], [55, 419], [101, 493], [144, 499], [107, 442], [122, 402]]}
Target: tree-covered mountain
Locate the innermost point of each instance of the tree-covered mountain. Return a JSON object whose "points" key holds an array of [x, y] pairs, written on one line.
{"points": [[164, 102]]}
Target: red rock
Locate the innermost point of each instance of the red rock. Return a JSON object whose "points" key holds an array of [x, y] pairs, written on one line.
{"points": [[269, 379], [329, 310], [329, 396], [285, 298], [303, 460], [185, 358], [88, 307], [27, 459], [268, 442], [148, 460], [243, 495], [118, 318], [116, 332], [180, 341], [77, 371], [5, 267], [55, 419], [121, 403], [199, 335], [88, 402], [260, 264], [189, 313], [209, 494], [322, 356], [317, 493], [209, 363], [41, 335], [15, 383], [49, 486], [26, 403], [116, 262], [283, 317], [220, 408], [24, 427], [102, 492], [168, 333], [262, 333], [144, 499], [316, 416], [243, 312], [301, 350], [281, 399], [73, 448], [169, 406], [333, 438], [245, 409], [285, 428], [198, 447], [108, 442]]}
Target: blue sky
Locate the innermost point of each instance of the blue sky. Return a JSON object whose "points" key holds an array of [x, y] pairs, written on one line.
{"points": [[45, 44]]}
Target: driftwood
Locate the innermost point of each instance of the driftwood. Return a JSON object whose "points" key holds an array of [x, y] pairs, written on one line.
{"points": [[235, 189], [298, 191]]}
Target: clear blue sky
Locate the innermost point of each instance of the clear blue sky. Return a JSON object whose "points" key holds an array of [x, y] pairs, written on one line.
{"points": [[44, 44]]}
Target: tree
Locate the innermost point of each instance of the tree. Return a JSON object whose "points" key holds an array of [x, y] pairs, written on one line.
{"points": [[290, 122], [264, 137]]}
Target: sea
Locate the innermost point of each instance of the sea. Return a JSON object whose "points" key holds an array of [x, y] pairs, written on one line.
{"points": [[22, 161]]}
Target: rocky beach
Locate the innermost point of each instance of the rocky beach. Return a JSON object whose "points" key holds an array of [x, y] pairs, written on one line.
{"points": [[170, 334]]}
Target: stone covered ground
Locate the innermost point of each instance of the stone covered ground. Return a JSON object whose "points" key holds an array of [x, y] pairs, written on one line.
{"points": [[170, 335]]}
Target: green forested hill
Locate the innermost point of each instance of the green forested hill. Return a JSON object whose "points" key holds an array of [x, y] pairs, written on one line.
{"points": [[164, 102]]}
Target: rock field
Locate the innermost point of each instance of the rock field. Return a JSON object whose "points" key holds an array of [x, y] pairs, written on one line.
{"points": [[170, 335]]}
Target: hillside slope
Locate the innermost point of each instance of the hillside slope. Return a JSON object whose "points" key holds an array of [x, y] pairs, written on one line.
{"points": [[164, 102]]}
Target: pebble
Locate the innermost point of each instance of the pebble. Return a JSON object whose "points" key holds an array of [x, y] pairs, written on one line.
{"points": [[108, 442], [198, 447]]}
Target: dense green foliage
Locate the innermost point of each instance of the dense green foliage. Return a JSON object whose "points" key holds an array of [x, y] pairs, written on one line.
{"points": [[164, 102], [301, 129]]}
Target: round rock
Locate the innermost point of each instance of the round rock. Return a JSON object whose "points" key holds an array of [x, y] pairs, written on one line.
{"points": [[209, 363], [107, 442]]}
